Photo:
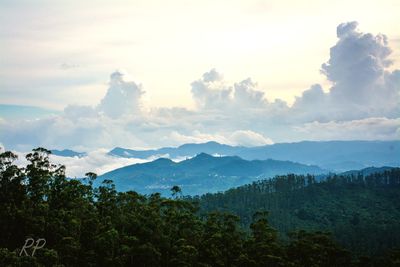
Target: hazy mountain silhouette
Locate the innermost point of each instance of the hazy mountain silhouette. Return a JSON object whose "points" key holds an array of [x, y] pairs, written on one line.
{"points": [[332, 155], [200, 174], [67, 153]]}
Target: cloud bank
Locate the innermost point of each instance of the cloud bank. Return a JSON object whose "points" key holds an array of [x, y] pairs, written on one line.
{"points": [[363, 103], [97, 161], [363, 87]]}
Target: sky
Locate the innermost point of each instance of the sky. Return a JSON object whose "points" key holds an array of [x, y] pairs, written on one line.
{"points": [[146, 74]]}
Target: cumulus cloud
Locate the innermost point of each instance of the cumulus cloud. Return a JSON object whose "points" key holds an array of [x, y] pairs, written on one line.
{"points": [[247, 95], [363, 86], [122, 97], [210, 91], [311, 105], [357, 60]]}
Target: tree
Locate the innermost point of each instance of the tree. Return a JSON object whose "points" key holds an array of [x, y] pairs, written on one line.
{"points": [[316, 249], [176, 190]]}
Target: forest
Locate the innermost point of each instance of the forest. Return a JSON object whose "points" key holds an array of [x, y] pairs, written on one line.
{"points": [[361, 211], [84, 225]]}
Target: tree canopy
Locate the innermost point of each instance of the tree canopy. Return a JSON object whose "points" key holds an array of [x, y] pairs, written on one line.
{"points": [[98, 226]]}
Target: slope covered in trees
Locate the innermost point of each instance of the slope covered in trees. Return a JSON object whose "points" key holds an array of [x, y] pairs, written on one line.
{"points": [[362, 211], [86, 226], [200, 174]]}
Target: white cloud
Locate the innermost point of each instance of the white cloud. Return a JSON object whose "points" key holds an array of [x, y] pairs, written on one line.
{"points": [[210, 91], [96, 161], [247, 95], [312, 105], [75, 112], [178, 138], [237, 138], [122, 97], [363, 86], [364, 129], [249, 138]]}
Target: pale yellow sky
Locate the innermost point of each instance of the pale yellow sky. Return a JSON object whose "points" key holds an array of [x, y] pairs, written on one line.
{"points": [[65, 50]]}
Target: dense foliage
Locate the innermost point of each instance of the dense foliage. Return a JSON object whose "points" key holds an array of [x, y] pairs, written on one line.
{"points": [[86, 226], [362, 211]]}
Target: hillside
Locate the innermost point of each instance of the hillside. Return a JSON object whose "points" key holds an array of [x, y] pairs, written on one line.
{"points": [[76, 224], [363, 212], [332, 155], [200, 174]]}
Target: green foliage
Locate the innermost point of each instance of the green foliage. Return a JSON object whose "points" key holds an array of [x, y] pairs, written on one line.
{"points": [[86, 226], [362, 212]]}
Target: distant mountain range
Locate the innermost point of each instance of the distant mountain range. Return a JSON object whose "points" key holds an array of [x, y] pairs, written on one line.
{"points": [[200, 174], [68, 153], [332, 155], [367, 171], [186, 150]]}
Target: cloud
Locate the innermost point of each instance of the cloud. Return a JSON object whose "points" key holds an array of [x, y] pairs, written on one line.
{"points": [[97, 161], [364, 129], [210, 91], [249, 138], [68, 66], [177, 138], [357, 68], [122, 97], [362, 84], [58, 132], [312, 105], [78, 111], [346, 28], [236, 138], [363, 103], [246, 95], [212, 76], [357, 59]]}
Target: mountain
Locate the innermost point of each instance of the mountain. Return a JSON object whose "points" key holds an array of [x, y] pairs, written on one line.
{"points": [[200, 174], [186, 150], [362, 212], [67, 153], [332, 155], [367, 171]]}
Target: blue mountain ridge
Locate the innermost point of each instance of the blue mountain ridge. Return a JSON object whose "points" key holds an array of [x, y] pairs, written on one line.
{"points": [[337, 156], [200, 174], [68, 153]]}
